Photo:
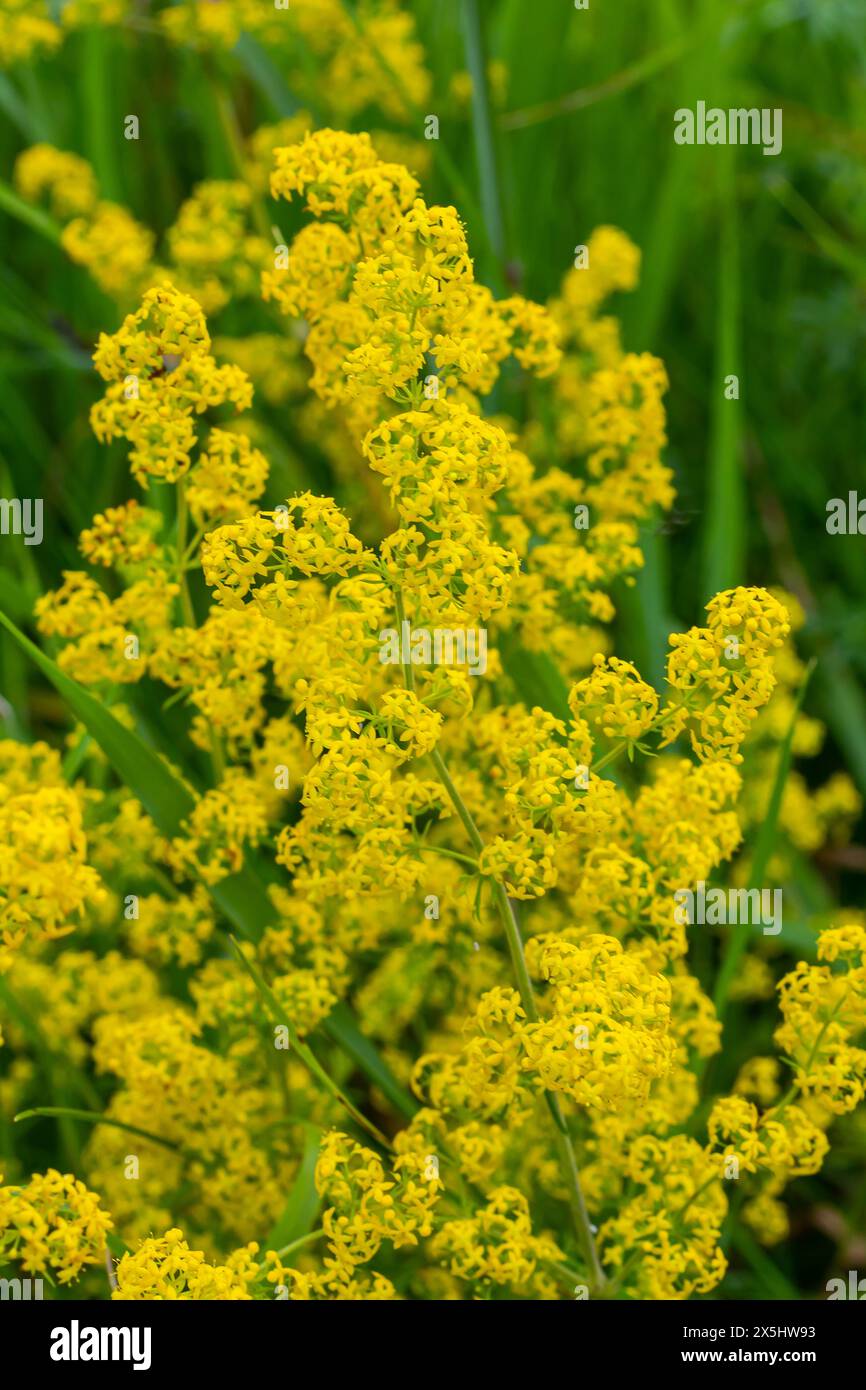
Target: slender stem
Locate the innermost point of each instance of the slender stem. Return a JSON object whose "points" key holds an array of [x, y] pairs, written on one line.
{"points": [[609, 756], [763, 849], [92, 1117], [446, 853], [182, 523], [299, 1243], [515, 946], [665, 714], [302, 1050], [408, 673], [794, 1090], [184, 550], [457, 801], [577, 1203], [31, 216], [580, 1215]]}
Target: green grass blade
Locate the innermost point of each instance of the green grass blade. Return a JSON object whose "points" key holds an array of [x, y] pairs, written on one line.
{"points": [[103, 126], [164, 798], [93, 1117], [482, 126], [725, 511], [341, 1028], [300, 1212], [303, 1051], [31, 216], [763, 849], [535, 676]]}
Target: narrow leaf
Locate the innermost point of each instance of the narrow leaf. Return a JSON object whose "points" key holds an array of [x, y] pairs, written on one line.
{"points": [[303, 1204]]}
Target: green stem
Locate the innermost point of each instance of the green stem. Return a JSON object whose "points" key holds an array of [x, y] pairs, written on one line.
{"points": [[182, 524], [794, 1090], [303, 1051], [93, 1117], [30, 216], [446, 853], [610, 755], [580, 1215], [577, 1203], [739, 937], [457, 801], [299, 1243]]}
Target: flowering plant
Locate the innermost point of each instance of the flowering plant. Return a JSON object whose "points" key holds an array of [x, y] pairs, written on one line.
{"points": [[362, 961]]}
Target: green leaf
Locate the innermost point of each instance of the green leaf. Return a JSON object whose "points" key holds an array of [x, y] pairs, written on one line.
{"points": [[28, 214], [482, 126], [302, 1050], [93, 1117], [535, 676], [341, 1028], [265, 75], [725, 520], [775, 1282], [301, 1209], [164, 798]]}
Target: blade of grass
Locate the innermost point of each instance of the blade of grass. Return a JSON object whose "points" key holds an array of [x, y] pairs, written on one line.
{"points": [[301, 1209], [633, 75], [622, 81], [482, 126], [18, 111], [303, 1051], [536, 677], [824, 236], [93, 1117], [102, 127], [763, 849], [766, 1269], [30, 216], [724, 539], [341, 1028], [55, 1067], [167, 801], [266, 76], [845, 711]]}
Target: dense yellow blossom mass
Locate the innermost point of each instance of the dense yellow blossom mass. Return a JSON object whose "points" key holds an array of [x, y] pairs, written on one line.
{"points": [[488, 882]]}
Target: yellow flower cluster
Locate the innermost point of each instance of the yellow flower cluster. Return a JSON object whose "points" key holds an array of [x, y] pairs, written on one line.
{"points": [[161, 376], [45, 881], [824, 1011], [164, 1267], [366, 775], [367, 1205], [53, 1225], [497, 1246], [26, 29]]}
